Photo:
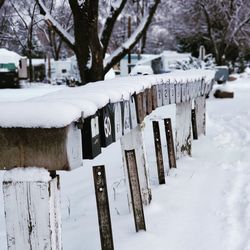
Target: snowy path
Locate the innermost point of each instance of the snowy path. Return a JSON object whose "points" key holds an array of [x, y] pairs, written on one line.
{"points": [[205, 204]]}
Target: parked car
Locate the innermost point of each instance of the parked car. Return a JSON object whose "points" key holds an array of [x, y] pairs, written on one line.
{"points": [[9, 76]]}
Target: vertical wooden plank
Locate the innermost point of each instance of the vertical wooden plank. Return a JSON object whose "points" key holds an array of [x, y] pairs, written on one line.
{"points": [[55, 215], [200, 87], [192, 90], [172, 93], [170, 143], [132, 112], [194, 125], [203, 86], [135, 190], [144, 103], [166, 94], [158, 151], [188, 91], [207, 88], [177, 92], [183, 92], [196, 87], [134, 140], [139, 107], [159, 95], [154, 96], [183, 129], [116, 121], [102, 202], [126, 126], [32, 211], [200, 110], [149, 101]]}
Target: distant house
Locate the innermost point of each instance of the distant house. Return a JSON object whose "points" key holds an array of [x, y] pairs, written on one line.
{"points": [[160, 63]]}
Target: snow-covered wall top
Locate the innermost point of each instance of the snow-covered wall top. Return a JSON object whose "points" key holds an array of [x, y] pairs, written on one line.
{"points": [[62, 107]]}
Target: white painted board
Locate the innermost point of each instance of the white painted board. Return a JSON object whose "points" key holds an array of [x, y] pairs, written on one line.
{"points": [[183, 129], [32, 214]]}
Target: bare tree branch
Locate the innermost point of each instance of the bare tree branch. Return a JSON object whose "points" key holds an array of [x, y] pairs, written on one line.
{"points": [[53, 24], [109, 24], [19, 15], [118, 54], [209, 29]]}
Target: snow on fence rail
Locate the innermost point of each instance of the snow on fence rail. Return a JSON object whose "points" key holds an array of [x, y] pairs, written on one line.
{"points": [[56, 131]]}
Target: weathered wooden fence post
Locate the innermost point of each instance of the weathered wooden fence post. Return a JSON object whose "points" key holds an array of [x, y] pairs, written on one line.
{"points": [[183, 129], [134, 184], [170, 143], [194, 125], [102, 202], [134, 140], [200, 109], [158, 151], [32, 209]]}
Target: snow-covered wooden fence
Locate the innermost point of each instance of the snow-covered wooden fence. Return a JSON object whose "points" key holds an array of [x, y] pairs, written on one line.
{"points": [[58, 130]]}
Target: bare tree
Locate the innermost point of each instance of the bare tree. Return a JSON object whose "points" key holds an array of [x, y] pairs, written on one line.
{"points": [[222, 24], [109, 24], [86, 42], [6, 39], [23, 26], [49, 38]]}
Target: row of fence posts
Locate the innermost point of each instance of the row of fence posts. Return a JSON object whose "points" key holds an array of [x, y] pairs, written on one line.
{"points": [[32, 207], [131, 163]]}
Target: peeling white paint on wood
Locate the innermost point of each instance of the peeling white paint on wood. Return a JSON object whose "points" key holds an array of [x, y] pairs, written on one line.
{"points": [[134, 140], [55, 214], [172, 93], [117, 121], [159, 95], [126, 118], [32, 214], [183, 129], [166, 94], [74, 146], [132, 110], [200, 108]]}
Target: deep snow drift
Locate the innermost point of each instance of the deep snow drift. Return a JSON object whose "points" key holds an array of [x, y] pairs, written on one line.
{"points": [[204, 204]]}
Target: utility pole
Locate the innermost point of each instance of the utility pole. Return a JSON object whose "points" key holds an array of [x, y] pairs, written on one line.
{"points": [[129, 34]]}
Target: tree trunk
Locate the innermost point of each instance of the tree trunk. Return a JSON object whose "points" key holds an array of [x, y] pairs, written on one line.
{"points": [[1, 3], [87, 45], [95, 73], [30, 67]]}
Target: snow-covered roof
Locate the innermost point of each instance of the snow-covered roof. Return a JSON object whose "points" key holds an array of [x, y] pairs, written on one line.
{"points": [[7, 56], [62, 107]]}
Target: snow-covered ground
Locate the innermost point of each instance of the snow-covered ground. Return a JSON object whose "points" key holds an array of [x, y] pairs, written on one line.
{"points": [[204, 205]]}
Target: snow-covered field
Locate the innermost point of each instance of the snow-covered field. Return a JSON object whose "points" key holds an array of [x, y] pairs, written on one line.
{"points": [[204, 205]]}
